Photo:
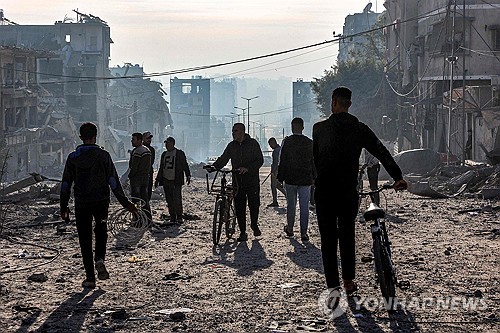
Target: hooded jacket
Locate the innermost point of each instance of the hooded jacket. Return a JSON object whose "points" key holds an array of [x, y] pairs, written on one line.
{"points": [[243, 154], [296, 165], [181, 168], [92, 171], [337, 144]]}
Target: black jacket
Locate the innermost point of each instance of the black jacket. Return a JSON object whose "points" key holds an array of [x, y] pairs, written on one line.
{"points": [[337, 144], [245, 154], [296, 165], [181, 168], [92, 171]]}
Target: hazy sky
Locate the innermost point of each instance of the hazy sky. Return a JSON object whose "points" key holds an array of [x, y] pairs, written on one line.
{"points": [[170, 35]]}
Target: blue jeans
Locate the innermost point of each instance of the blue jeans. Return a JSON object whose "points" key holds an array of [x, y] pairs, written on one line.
{"points": [[304, 192]]}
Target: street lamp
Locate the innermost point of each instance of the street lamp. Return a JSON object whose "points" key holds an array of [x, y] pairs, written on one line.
{"points": [[248, 108], [243, 113]]}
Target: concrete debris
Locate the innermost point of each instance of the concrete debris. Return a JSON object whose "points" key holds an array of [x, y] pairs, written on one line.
{"points": [[38, 277]]}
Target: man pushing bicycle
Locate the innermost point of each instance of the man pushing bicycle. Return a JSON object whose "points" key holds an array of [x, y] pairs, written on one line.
{"points": [[337, 144]]}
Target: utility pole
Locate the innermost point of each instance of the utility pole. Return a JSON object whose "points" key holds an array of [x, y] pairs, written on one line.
{"points": [[248, 110], [451, 59], [463, 87]]}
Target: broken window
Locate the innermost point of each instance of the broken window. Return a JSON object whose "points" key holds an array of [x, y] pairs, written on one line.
{"points": [[186, 88], [68, 38]]}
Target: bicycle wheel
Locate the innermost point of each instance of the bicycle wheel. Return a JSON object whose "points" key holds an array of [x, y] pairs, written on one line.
{"points": [[218, 220], [385, 272], [230, 220]]}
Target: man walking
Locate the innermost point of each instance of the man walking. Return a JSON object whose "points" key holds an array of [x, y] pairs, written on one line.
{"points": [[298, 175], [146, 141], [275, 185], [173, 167], [245, 155], [337, 144], [140, 167], [92, 171]]}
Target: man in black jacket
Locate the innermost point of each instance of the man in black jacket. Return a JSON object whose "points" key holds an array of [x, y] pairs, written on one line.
{"points": [[245, 155], [92, 171], [296, 170], [337, 144], [173, 166]]}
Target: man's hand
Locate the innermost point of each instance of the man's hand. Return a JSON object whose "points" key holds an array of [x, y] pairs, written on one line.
{"points": [[243, 170], [131, 207], [188, 180], [65, 214], [400, 185]]}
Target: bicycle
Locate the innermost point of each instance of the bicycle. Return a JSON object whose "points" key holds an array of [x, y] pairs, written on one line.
{"points": [[382, 255], [224, 208]]}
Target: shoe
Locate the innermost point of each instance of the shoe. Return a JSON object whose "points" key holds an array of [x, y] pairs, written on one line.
{"points": [[243, 237], [257, 232], [89, 284], [350, 287], [304, 238], [102, 273], [288, 233], [273, 204], [180, 221]]}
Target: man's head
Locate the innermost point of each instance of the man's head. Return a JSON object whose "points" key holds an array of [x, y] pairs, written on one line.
{"points": [[341, 100], [239, 132], [169, 143], [297, 125], [146, 138], [88, 132], [136, 139], [272, 142]]}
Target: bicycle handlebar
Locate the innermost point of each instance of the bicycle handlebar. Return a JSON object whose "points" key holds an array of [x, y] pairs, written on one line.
{"points": [[380, 189], [211, 168]]}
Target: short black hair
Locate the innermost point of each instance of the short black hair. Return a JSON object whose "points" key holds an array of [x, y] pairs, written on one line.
{"points": [[272, 139], [137, 135], [170, 139], [343, 96], [240, 125], [88, 131], [298, 121]]}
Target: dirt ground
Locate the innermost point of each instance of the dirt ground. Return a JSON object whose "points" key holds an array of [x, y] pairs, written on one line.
{"points": [[268, 284]]}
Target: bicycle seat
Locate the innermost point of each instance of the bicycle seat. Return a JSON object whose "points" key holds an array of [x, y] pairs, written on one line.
{"points": [[374, 212]]}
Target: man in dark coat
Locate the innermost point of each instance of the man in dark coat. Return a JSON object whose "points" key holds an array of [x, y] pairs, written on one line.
{"points": [[246, 156], [92, 172], [337, 144], [147, 137], [296, 170], [173, 167]]}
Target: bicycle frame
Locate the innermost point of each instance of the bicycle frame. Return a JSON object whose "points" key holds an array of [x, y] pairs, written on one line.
{"points": [[384, 267], [223, 210]]}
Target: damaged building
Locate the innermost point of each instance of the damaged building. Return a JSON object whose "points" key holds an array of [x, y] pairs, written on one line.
{"points": [[35, 137], [450, 51]]}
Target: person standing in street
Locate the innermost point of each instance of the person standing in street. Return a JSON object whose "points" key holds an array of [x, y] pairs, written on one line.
{"points": [[93, 173], [275, 185], [140, 167], [337, 144], [173, 167], [298, 174], [246, 156], [146, 141]]}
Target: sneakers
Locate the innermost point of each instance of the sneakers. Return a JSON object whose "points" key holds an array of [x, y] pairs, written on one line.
{"points": [[102, 273], [273, 204], [89, 284], [257, 232], [304, 238], [288, 233], [243, 237]]}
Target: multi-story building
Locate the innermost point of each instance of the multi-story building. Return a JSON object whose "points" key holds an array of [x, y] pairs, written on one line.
{"points": [[190, 109], [450, 50], [304, 105], [351, 43], [78, 73]]}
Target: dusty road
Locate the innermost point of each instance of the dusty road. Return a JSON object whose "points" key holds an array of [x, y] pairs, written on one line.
{"points": [[267, 284]]}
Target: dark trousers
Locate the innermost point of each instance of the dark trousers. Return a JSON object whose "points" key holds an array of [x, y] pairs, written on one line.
{"points": [[336, 215], [173, 195], [252, 194], [150, 185], [141, 192], [83, 216], [372, 173]]}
